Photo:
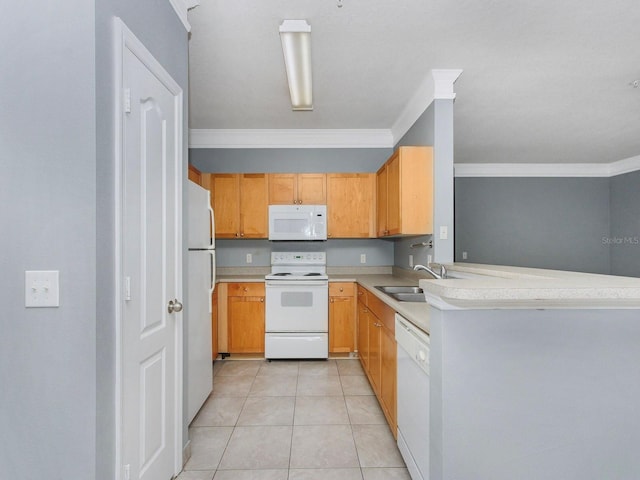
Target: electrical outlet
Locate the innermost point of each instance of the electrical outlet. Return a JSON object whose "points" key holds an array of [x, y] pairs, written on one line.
{"points": [[411, 260], [249, 258], [363, 258], [464, 255], [444, 233], [429, 259]]}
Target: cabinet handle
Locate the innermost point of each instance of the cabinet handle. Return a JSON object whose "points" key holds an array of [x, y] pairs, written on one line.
{"points": [[328, 234], [237, 234], [262, 299], [331, 300], [245, 289], [242, 234], [341, 289]]}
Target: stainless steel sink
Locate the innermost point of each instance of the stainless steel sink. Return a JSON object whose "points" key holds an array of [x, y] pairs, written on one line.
{"points": [[409, 297], [404, 294], [402, 289]]}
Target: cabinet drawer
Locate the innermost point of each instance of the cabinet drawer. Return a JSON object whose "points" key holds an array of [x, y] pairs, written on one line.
{"points": [[362, 295], [249, 289], [383, 312], [341, 289]]}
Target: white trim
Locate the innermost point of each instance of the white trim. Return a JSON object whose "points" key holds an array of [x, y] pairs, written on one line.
{"points": [[443, 81], [627, 165], [125, 39], [181, 7], [295, 138], [547, 169], [415, 107]]}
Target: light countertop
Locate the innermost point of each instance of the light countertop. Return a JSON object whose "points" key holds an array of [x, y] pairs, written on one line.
{"points": [[496, 286]]}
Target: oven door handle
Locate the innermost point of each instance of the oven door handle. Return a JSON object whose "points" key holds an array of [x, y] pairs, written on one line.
{"points": [[296, 283]]}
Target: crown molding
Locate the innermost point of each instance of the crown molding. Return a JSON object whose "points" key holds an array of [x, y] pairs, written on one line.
{"points": [[181, 7], [443, 81], [437, 85], [627, 165], [547, 169], [294, 138]]}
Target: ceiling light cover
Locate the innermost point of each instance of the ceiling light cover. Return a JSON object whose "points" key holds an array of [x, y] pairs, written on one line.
{"points": [[296, 47]]}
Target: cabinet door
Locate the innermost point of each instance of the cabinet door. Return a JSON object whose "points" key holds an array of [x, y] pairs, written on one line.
{"points": [[363, 334], [195, 175], [388, 374], [381, 195], [374, 352], [225, 196], [214, 324], [246, 324], [312, 188], [393, 197], [254, 211], [341, 324], [350, 205], [282, 188]]}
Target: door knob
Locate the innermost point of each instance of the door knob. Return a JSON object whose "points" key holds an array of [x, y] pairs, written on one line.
{"points": [[174, 306]]}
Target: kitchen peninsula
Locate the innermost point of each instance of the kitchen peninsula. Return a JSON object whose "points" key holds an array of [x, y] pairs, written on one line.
{"points": [[534, 374]]}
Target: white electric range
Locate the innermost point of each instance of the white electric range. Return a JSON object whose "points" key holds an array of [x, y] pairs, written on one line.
{"points": [[297, 306]]}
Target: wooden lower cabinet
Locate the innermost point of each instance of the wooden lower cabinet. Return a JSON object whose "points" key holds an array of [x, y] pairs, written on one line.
{"points": [[363, 334], [342, 317], [377, 351], [245, 317], [214, 323]]}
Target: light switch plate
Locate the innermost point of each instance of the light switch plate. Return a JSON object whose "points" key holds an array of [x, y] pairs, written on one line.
{"points": [[41, 288], [444, 233]]}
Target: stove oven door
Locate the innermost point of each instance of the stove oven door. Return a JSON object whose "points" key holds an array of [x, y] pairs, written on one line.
{"points": [[297, 306]]}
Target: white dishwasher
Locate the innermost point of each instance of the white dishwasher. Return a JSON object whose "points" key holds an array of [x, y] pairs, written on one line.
{"points": [[413, 397]]}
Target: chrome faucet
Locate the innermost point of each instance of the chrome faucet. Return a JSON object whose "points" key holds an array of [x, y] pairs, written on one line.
{"points": [[435, 275]]}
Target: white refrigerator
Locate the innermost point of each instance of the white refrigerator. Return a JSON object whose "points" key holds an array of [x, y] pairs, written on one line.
{"points": [[202, 271]]}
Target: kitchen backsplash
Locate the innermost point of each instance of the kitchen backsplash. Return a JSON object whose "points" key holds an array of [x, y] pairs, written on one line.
{"points": [[340, 252]]}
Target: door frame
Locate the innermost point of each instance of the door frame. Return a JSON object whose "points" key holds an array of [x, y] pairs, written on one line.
{"points": [[125, 40]]}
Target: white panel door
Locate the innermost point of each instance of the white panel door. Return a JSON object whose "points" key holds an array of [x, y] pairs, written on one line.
{"points": [[152, 273]]}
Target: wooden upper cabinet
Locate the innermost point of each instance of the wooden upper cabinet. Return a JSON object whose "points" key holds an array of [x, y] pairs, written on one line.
{"points": [[240, 204], [312, 188], [195, 175], [381, 206], [351, 205], [224, 188], [405, 193], [254, 205], [297, 188]]}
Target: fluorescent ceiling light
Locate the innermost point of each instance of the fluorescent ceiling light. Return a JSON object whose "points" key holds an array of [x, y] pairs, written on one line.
{"points": [[296, 47]]}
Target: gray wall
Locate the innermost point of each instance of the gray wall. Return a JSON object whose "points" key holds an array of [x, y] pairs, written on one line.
{"points": [[624, 236], [47, 193], [534, 394], [434, 127], [297, 160], [340, 252], [157, 26], [421, 133], [556, 223]]}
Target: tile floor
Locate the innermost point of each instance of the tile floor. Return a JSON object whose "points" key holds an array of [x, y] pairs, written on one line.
{"points": [[292, 420]]}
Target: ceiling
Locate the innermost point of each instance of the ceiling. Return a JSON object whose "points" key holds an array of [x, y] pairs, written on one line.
{"points": [[543, 81]]}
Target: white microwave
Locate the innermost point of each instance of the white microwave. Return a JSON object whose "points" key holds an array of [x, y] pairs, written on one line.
{"points": [[297, 222]]}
